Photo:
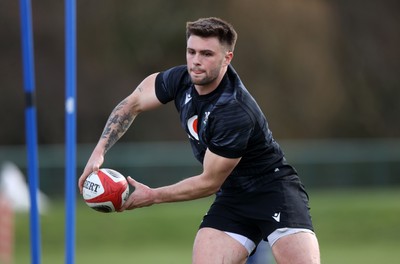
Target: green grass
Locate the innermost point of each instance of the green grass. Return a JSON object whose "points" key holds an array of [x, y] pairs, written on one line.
{"points": [[353, 226], [358, 226]]}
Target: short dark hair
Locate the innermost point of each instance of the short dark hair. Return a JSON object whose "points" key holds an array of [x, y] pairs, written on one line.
{"points": [[213, 27]]}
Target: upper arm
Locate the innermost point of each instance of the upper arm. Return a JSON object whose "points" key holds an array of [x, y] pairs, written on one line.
{"points": [[144, 97], [217, 168]]}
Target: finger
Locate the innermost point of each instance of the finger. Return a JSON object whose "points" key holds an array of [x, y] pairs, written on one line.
{"points": [[96, 167], [126, 205], [132, 182], [80, 185], [82, 179]]}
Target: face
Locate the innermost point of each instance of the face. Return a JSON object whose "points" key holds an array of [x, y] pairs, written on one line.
{"points": [[206, 60]]}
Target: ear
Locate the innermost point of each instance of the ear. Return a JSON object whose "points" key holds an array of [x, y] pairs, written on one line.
{"points": [[228, 58]]}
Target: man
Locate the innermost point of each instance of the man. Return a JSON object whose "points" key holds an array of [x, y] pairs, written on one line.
{"points": [[258, 194]]}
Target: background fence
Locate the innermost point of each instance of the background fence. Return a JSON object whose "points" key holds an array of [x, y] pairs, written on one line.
{"points": [[320, 163]]}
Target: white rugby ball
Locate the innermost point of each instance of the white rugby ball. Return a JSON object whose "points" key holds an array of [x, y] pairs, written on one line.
{"points": [[106, 190]]}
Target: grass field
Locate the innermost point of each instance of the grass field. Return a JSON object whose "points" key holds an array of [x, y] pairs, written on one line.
{"points": [[353, 226]]}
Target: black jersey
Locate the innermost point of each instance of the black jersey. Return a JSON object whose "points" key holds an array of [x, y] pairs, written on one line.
{"points": [[229, 123]]}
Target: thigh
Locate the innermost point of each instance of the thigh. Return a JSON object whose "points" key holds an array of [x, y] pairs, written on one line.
{"points": [[298, 248], [212, 246]]}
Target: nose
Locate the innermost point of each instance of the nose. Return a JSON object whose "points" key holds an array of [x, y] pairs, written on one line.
{"points": [[196, 59]]}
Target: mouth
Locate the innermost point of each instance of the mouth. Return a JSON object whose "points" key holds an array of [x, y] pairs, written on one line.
{"points": [[196, 71]]}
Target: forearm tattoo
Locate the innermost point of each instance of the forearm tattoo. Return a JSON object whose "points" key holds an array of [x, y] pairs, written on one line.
{"points": [[117, 124]]}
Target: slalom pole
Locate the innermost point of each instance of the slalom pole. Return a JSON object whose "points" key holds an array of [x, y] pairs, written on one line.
{"points": [[30, 126], [70, 129]]}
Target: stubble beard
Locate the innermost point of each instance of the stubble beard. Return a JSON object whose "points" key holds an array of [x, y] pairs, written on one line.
{"points": [[208, 79]]}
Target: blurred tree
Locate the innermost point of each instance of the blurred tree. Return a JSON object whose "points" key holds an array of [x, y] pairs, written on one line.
{"points": [[317, 69], [369, 59]]}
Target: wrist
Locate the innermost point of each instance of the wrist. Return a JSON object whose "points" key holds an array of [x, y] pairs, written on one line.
{"points": [[156, 197]]}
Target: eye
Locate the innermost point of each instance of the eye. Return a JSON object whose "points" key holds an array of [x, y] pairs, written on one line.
{"points": [[191, 52]]}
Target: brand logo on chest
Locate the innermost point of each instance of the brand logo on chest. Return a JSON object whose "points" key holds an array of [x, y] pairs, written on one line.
{"points": [[192, 125]]}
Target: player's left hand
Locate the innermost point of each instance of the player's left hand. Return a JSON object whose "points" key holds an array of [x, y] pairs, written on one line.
{"points": [[141, 196]]}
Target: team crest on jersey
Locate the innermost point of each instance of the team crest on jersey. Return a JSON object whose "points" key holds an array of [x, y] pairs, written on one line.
{"points": [[192, 127], [206, 114]]}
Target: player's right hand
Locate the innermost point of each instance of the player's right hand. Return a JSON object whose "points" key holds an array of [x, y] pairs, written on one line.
{"points": [[94, 163]]}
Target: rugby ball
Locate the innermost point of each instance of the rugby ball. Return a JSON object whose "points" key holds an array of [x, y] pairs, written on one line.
{"points": [[106, 190]]}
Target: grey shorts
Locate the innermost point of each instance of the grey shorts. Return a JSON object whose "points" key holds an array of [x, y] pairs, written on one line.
{"points": [[272, 238]]}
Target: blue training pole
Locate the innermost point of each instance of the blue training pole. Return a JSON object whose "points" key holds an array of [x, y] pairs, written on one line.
{"points": [[30, 126], [70, 129]]}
